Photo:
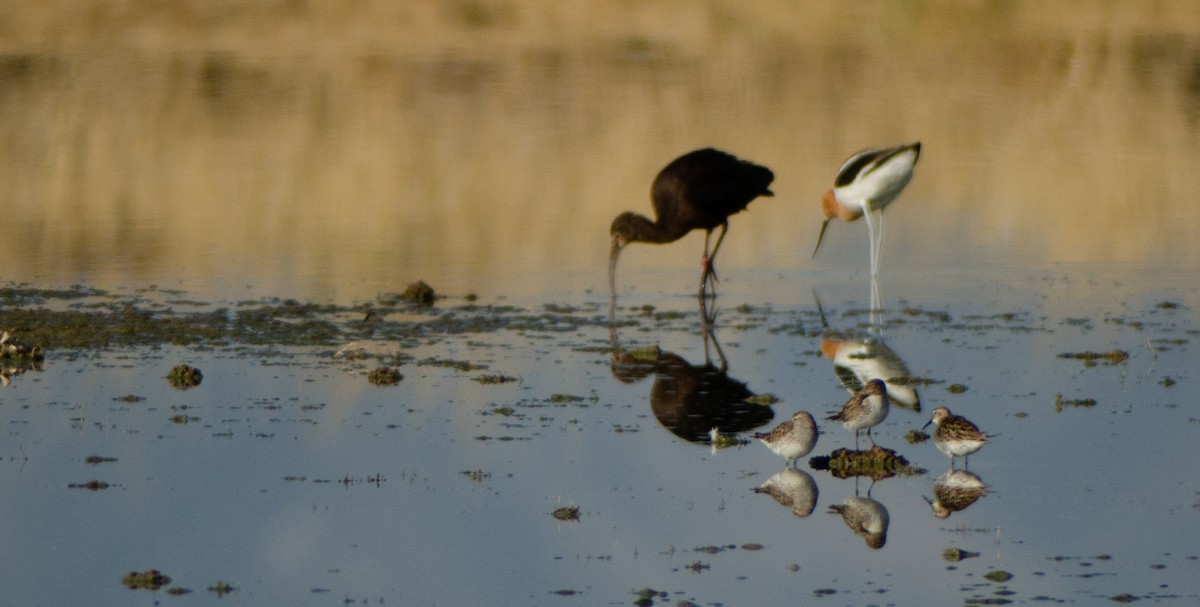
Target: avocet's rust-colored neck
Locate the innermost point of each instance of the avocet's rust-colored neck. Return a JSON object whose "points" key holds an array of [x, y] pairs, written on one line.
{"points": [[831, 207]]}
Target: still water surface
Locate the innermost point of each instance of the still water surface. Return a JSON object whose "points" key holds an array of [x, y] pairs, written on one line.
{"points": [[331, 155]]}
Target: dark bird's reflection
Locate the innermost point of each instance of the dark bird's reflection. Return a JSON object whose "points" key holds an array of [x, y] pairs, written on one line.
{"points": [[793, 489], [691, 399], [955, 490], [865, 517]]}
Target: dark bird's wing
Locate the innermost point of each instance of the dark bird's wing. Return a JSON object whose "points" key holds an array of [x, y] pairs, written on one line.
{"points": [[703, 188]]}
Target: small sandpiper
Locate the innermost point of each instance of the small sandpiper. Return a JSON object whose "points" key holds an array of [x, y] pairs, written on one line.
{"points": [[867, 408], [955, 435], [792, 439]]}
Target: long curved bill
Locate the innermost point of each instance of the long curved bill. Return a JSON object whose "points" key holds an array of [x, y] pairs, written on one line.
{"points": [[612, 265], [821, 236]]}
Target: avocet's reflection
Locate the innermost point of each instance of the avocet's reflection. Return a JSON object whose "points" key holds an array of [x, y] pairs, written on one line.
{"points": [[858, 360]]}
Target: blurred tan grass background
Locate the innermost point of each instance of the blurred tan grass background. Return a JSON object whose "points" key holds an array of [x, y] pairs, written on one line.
{"points": [[326, 140]]}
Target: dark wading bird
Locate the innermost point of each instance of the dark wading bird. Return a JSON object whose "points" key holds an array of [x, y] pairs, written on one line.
{"points": [[698, 190], [869, 181]]}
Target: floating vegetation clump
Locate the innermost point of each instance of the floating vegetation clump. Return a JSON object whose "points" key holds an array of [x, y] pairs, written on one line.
{"points": [[956, 388], [647, 596], [419, 293], [875, 463], [1091, 359], [998, 575], [151, 579], [185, 376], [955, 555], [915, 437], [1060, 402], [385, 376], [221, 588], [765, 400], [567, 513]]}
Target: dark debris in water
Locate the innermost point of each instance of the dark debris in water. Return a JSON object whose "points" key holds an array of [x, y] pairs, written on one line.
{"points": [[151, 579], [954, 555], [92, 485], [1060, 402], [566, 513], [477, 475], [915, 437], [646, 596], [497, 378], [765, 400], [1091, 359], [998, 575], [385, 376], [419, 293]]}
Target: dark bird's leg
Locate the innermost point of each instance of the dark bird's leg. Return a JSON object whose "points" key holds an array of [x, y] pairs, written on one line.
{"points": [[708, 315], [710, 271]]}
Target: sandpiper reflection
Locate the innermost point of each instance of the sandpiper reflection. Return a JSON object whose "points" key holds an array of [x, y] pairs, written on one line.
{"points": [[792, 488], [954, 490], [691, 399], [865, 517]]}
